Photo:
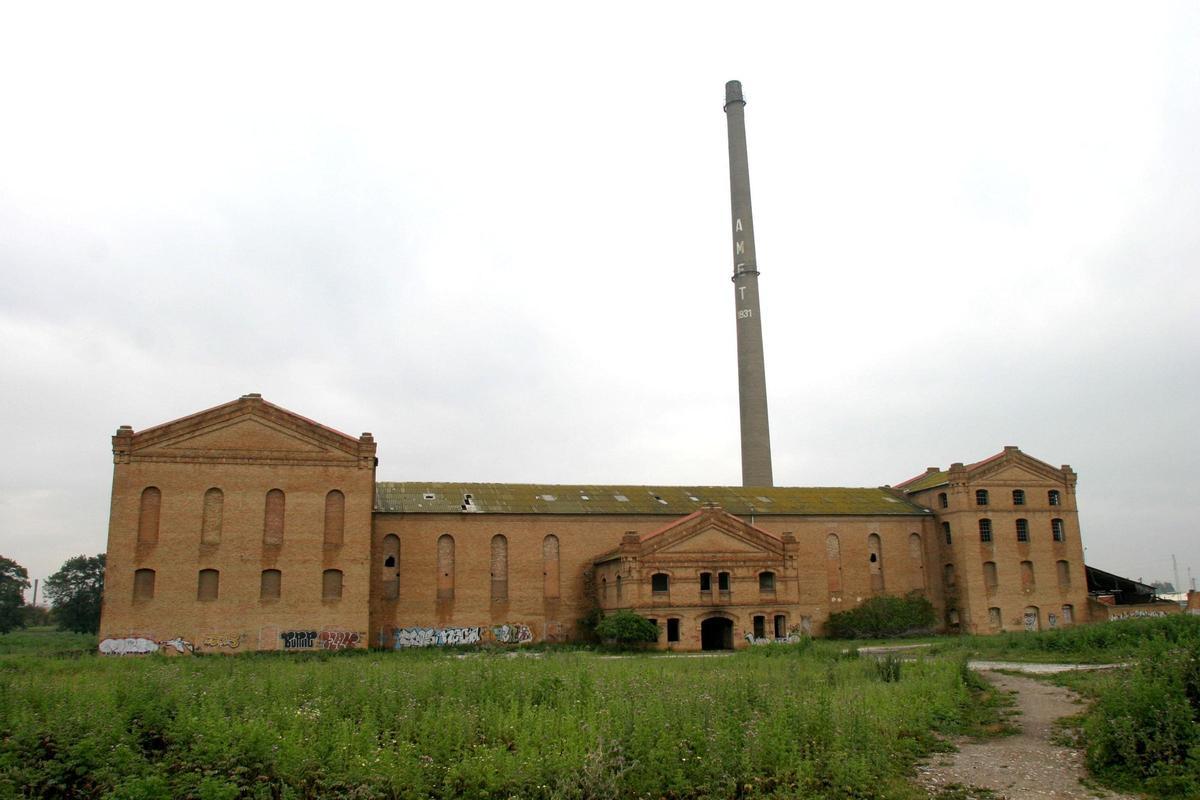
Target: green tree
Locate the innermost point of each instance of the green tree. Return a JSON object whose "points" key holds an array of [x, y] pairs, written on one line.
{"points": [[14, 580], [626, 627], [75, 591]]}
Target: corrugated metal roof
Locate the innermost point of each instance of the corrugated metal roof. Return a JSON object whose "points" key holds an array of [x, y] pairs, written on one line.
{"points": [[532, 498]]}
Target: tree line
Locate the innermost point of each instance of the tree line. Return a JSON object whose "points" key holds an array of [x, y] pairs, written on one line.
{"points": [[74, 593]]}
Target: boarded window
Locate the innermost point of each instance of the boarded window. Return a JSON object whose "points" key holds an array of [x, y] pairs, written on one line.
{"points": [[875, 561], [445, 567], [335, 517], [214, 510], [833, 563], [706, 581], [1064, 574], [148, 515], [660, 583], [1057, 530], [269, 584], [499, 568], [780, 626], [1054, 498], [985, 531], [766, 582], [916, 557], [673, 630], [143, 584], [760, 627], [948, 576], [209, 585], [1027, 580], [389, 574], [1030, 618], [990, 577], [1023, 530], [723, 581], [994, 619], [550, 582], [331, 584], [1068, 614], [273, 518]]}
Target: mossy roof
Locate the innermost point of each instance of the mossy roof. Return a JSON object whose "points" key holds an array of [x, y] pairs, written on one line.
{"points": [[532, 498], [926, 481]]}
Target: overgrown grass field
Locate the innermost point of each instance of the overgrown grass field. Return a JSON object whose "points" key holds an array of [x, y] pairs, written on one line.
{"points": [[788, 721]]}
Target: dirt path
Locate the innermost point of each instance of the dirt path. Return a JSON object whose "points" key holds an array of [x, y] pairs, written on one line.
{"points": [[1026, 765]]}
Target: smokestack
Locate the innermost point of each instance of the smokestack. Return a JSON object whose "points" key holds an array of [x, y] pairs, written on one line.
{"points": [[752, 375]]}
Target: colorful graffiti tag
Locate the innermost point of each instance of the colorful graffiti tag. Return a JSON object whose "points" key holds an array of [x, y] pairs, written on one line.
{"points": [[232, 641], [338, 640], [512, 634], [508, 633], [141, 645]]}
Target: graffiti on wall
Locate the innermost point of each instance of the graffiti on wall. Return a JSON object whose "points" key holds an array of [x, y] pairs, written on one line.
{"points": [[508, 633], [1136, 614], [298, 640], [338, 640], [232, 641], [141, 645]]}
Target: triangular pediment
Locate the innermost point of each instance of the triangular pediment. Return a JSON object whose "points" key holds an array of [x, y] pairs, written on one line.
{"points": [[1015, 467], [248, 429], [711, 530]]}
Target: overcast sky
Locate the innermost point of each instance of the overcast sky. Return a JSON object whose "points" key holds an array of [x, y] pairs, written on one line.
{"points": [[497, 236]]}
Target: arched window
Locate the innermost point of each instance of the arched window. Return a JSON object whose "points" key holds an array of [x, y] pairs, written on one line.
{"points": [[499, 568], [270, 584], [445, 567], [620, 593], [208, 585], [148, 515], [1018, 497], [1027, 577], [1054, 498], [214, 511], [273, 519], [985, 531], [1022, 530], [660, 583], [916, 555], [143, 584], [331, 584], [1064, 574], [875, 561], [335, 517], [946, 534], [833, 563], [390, 571], [981, 497], [766, 582], [991, 580], [550, 584], [943, 500], [1057, 530]]}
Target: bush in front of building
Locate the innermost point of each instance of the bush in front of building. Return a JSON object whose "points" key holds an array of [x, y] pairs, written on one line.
{"points": [[882, 616], [626, 628]]}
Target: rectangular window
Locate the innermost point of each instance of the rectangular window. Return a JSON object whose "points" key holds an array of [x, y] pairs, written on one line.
{"points": [[780, 626], [981, 497], [723, 581], [660, 582], [209, 585], [1054, 497], [672, 630], [143, 584], [946, 533], [1018, 497], [766, 582], [985, 530], [1056, 528], [760, 627], [1022, 530], [706, 581], [331, 584], [269, 584]]}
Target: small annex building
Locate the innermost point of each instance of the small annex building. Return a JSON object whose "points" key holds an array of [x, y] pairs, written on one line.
{"points": [[250, 527]]}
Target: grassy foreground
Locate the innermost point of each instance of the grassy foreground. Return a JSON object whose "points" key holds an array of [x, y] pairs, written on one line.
{"points": [[788, 721]]}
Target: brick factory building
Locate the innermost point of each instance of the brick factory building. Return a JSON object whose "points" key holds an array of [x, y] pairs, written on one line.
{"points": [[249, 527]]}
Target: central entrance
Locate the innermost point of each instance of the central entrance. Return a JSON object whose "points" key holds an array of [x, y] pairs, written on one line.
{"points": [[716, 633]]}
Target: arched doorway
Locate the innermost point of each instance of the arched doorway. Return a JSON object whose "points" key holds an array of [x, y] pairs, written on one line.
{"points": [[716, 633]]}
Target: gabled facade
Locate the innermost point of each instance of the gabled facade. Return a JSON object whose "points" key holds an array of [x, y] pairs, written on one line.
{"points": [[248, 527]]}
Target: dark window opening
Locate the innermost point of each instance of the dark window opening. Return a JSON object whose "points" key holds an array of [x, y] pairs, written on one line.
{"points": [[672, 630], [1022, 530], [780, 626], [390, 561], [1018, 497], [760, 627], [1056, 528], [723, 581], [766, 581], [660, 582], [946, 531], [985, 530], [981, 497], [943, 500], [874, 558], [706, 581], [1054, 497]]}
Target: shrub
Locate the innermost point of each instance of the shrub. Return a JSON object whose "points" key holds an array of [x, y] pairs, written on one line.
{"points": [[883, 616], [626, 627]]}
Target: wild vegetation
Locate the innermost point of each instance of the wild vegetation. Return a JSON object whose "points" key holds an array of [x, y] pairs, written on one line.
{"points": [[886, 615], [778, 721]]}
